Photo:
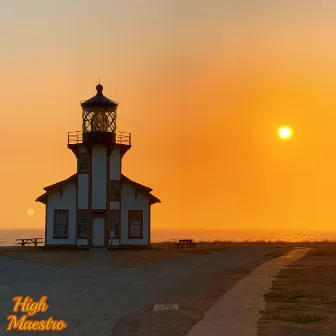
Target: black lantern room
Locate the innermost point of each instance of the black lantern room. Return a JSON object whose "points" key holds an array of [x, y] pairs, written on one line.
{"points": [[99, 125], [99, 116]]}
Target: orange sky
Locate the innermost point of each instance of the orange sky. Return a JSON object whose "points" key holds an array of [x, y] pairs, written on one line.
{"points": [[202, 86]]}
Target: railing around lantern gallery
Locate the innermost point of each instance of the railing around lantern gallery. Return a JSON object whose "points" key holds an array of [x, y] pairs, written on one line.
{"points": [[122, 138]]}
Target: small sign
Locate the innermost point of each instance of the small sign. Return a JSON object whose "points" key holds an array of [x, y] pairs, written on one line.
{"points": [[162, 307]]}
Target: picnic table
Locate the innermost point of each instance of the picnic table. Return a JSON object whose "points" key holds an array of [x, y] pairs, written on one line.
{"points": [[28, 241], [185, 243]]}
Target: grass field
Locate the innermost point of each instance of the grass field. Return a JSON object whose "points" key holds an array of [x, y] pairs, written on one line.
{"points": [[302, 300]]}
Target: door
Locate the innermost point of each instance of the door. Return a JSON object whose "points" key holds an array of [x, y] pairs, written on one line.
{"points": [[98, 231]]}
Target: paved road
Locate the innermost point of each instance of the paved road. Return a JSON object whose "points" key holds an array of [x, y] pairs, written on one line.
{"points": [[91, 300]]}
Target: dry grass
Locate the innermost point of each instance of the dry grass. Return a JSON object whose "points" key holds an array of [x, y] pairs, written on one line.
{"points": [[161, 252], [138, 257], [256, 242], [291, 314], [302, 300]]}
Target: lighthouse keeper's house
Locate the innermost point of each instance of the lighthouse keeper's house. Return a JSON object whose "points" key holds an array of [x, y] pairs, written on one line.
{"points": [[98, 205]]}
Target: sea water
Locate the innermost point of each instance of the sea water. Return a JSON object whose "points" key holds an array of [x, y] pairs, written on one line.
{"points": [[8, 236]]}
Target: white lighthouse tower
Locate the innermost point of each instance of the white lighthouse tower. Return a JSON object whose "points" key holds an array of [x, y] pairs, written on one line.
{"points": [[98, 206]]}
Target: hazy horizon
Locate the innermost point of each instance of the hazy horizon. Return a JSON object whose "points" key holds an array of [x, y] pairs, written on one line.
{"points": [[200, 230], [8, 237], [201, 85]]}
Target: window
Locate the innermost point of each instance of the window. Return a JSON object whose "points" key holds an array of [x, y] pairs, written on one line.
{"points": [[82, 224], [135, 224], [114, 223], [115, 190], [83, 166], [100, 122], [83, 162], [61, 223]]}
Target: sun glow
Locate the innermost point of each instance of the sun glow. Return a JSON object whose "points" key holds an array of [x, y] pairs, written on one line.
{"points": [[30, 212], [285, 132]]}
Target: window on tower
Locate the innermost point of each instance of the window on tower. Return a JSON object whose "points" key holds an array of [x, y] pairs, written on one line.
{"points": [[83, 163], [83, 166], [115, 190], [100, 122]]}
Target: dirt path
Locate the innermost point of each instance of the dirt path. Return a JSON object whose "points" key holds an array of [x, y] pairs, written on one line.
{"points": [[237, 312]]}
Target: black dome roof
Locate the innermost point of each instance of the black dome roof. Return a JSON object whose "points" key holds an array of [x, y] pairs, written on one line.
{"points": [[99, 100]]}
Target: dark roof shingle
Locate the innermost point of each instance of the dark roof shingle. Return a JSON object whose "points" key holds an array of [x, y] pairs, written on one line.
{"points": [[53, 187]]}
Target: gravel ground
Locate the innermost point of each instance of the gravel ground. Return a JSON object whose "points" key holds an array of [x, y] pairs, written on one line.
{"points": [[104, 300]]}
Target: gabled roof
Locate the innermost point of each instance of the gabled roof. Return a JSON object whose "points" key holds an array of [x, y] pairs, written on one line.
{"points": [[53, 187], [153, 199], [139, 186], [60, 183], [135, 184]]}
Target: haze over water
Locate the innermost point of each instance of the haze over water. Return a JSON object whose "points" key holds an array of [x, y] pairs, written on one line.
{"points": [[8, 237]]}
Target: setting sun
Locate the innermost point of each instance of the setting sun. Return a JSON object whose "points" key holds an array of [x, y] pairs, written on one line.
{"points": [[30, 212], [285, 132]]}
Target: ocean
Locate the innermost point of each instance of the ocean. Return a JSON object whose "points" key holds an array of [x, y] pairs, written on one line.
{"points": [[8, 236]]}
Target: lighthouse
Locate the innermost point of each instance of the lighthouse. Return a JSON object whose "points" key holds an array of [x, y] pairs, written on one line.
{"points": [[98, 206]]}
